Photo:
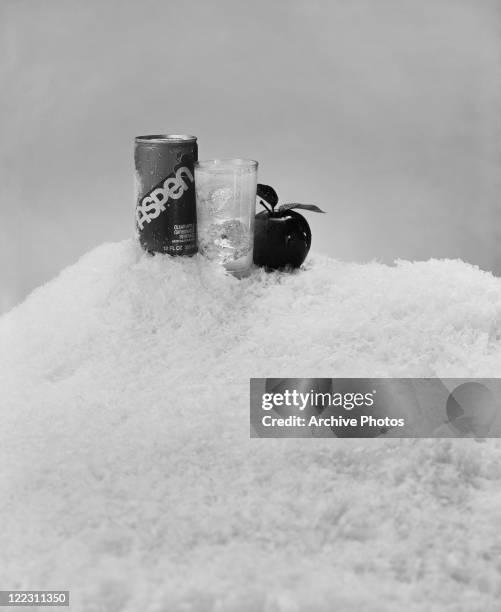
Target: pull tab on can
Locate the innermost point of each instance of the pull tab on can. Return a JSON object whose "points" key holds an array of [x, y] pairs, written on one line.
{"points": [[166, 209]]}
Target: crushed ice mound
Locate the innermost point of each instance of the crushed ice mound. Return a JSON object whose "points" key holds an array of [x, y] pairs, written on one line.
{"points": [[129, 478]]}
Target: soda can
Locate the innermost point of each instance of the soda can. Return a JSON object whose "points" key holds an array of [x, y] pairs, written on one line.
{"points": [[166, 209]]}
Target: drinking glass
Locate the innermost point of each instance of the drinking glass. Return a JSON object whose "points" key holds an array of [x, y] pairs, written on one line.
{"points": [[226, 208]]}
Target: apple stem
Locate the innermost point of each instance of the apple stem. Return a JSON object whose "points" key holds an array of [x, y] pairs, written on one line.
{"points": [[262, 202]]}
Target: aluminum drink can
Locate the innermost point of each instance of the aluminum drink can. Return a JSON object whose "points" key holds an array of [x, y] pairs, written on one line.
{"points": [[166, 209]]}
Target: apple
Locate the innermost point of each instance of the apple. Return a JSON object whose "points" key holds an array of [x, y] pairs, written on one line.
{"points": [[282, 237]]}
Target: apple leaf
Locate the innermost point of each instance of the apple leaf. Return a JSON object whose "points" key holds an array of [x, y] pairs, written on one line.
{"points": [[268, 194], [292, 205]]}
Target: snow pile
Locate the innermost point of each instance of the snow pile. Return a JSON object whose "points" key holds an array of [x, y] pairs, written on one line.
{"points": [[128, 476]]}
